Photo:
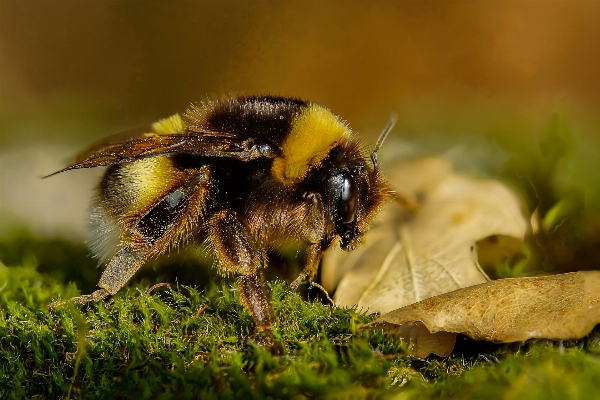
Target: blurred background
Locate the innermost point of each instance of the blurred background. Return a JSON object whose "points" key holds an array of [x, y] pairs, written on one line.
{"points": [[508, 88]]}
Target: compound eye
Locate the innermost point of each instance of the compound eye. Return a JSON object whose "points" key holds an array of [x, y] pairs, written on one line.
{"points": [[348, 201]]}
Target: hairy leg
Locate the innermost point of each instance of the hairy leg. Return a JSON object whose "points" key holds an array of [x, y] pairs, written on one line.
{"points": [[313, 255], [237, 253], [173, 217]]}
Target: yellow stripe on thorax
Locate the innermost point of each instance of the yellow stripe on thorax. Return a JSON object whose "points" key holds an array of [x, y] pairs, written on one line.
{"points": [[313, 134]]}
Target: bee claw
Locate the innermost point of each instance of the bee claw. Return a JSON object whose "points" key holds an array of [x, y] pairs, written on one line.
{"points": [[158, 285], [55, 304], [264, 338], [94, 297], [315, 284], [297, 282]]}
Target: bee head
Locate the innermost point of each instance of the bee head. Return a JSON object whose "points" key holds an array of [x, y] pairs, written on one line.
{"points": [[352, 192], [355, 190]]}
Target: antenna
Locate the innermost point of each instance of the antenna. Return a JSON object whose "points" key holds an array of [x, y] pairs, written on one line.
{"points": [[382, 137]]}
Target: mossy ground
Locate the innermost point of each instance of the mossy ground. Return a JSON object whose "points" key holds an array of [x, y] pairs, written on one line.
{"points": [[189, 342]]}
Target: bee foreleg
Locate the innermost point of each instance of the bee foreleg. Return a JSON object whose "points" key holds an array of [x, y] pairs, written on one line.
{"points": [[312, 230], [312, 257]]}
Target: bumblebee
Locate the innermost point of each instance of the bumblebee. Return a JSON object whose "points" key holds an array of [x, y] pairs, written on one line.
{"points": [[239, 175]]}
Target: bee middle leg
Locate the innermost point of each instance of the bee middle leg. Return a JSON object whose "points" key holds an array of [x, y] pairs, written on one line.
{"points": [[237, 252]]}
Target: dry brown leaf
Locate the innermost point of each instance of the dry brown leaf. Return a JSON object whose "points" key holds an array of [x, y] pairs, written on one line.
{"points": [[422, 342], [408, 260], [559, 307]]}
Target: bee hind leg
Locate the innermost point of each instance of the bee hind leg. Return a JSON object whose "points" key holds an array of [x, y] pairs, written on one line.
{"points": [[87, 298], [121, 269], [118, 272], [173, 218]]}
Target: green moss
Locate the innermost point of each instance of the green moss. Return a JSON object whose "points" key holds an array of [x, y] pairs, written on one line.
{"points": [[187, 342], [176, 343], [543, 372]]}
